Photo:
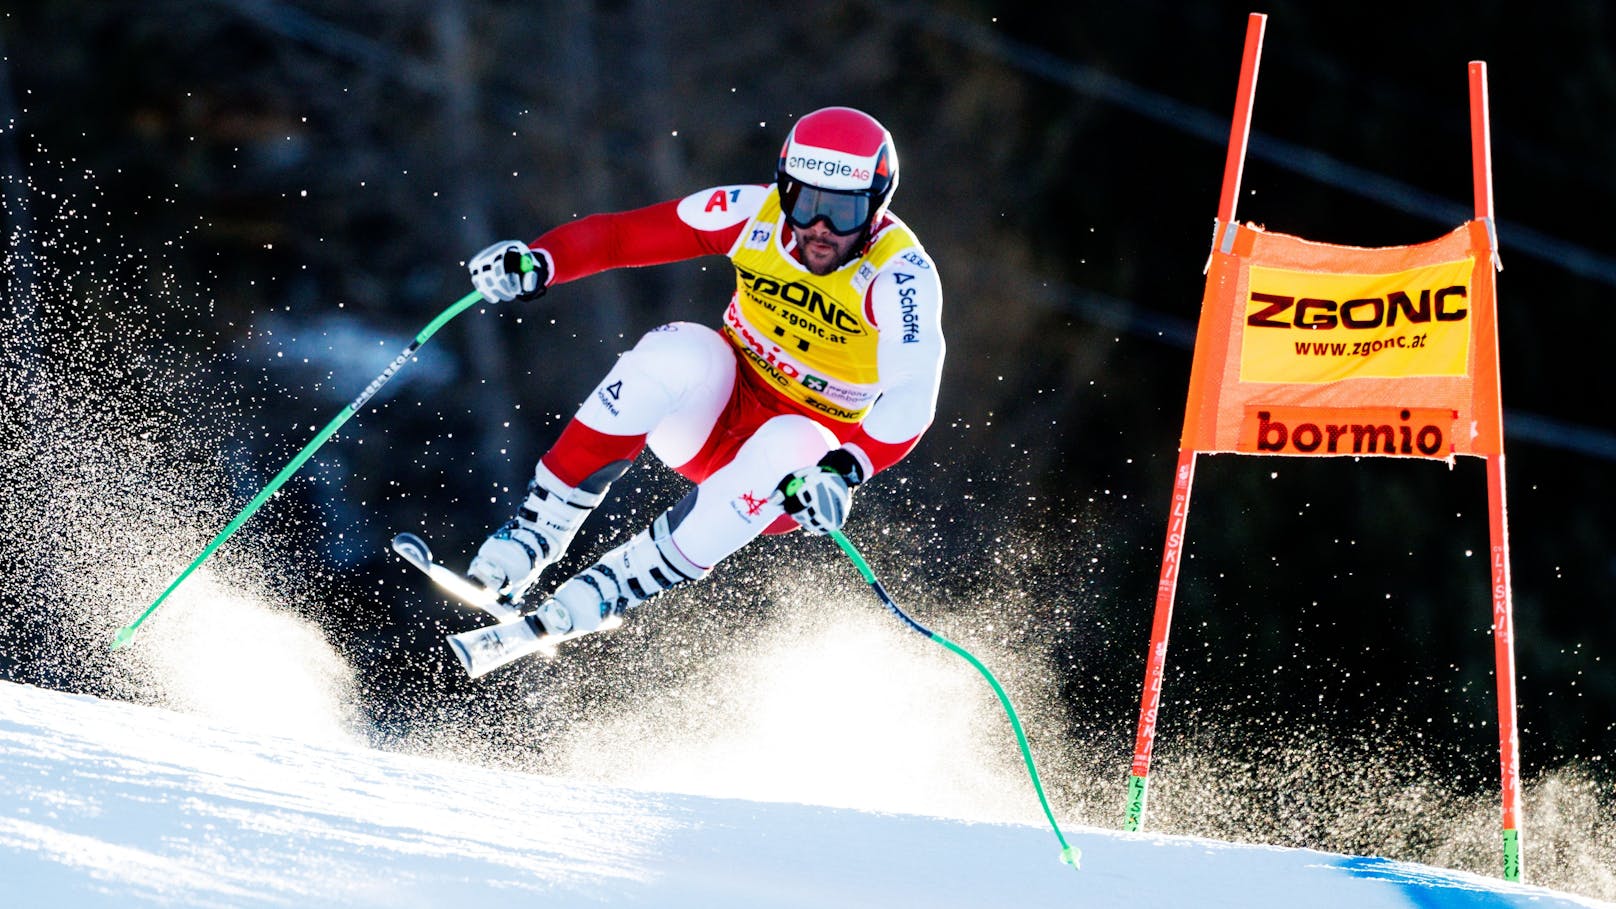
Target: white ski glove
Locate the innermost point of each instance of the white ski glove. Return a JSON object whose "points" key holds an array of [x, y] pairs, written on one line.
{"points": [[819, 497], [509, 270]]}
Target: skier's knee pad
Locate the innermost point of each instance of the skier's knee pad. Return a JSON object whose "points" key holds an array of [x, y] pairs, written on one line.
{"points": [[786, 443], [682, 356], [679, 374]]}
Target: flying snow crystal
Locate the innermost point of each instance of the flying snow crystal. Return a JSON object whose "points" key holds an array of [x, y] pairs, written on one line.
{"points": [[115, 426], [226, 655], [118, 463], [861, 718]]}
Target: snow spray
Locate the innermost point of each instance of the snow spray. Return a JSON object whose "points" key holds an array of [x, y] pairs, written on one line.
{"points": [[127, 632], [1069, 854]]}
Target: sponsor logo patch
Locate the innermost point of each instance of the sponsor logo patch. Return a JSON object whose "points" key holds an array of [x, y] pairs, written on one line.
{"points": [[862, 278], [720, 207], [748, 506]]}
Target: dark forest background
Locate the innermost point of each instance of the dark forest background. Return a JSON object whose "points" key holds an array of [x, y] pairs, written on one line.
{"points": [[289, 188]]}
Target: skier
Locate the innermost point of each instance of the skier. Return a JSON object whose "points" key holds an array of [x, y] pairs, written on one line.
{"points": [[824, 372]]}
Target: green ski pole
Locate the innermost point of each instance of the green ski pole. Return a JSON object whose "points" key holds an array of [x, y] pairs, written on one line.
{"points": [[1069, 854], [127, 632]]}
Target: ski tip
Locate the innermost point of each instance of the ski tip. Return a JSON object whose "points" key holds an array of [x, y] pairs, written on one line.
{"points": [[413, 549], [123, 637]]}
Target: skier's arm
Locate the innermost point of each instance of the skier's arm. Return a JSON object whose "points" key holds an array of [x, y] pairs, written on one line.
{"points": [[700, 224], [905, 301]]}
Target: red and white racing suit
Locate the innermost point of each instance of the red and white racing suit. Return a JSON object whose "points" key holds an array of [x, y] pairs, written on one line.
{"points": [[803, 363]]}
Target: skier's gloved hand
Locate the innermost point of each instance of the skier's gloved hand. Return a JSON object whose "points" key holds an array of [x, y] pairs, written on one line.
{"points": [[509, 270], [819, 497]]}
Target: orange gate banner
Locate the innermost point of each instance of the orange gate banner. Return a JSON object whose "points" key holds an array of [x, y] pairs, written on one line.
{"points": [[1308, 348]]}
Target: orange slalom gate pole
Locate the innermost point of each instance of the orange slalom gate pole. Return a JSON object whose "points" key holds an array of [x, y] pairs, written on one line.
{"points": [[1156, 661], [1184, 475], [1509, 758]]}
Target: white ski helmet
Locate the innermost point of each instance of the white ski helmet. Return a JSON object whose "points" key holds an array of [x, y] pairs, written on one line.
{"points": [[837, 164]]}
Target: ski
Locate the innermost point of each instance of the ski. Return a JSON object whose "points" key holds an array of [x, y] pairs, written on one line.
{"points": [[415, 551], [482, 650], [514, 635]]}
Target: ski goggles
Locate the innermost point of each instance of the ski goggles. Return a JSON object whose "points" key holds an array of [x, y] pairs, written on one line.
{"points": [[844, 212]]}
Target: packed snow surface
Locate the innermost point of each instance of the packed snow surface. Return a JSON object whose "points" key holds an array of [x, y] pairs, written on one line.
{"points": [[106, 803]]}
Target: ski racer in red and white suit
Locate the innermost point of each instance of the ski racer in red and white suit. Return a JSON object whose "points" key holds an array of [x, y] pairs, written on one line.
{"points": [[825, 370]]}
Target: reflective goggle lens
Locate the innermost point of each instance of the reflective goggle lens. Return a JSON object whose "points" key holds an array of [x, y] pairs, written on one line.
{"points": [[845, 212]]}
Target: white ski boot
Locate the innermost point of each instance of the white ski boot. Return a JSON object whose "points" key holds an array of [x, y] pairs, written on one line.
{"points": [[512, 558], [635, 571], [594, 600]]}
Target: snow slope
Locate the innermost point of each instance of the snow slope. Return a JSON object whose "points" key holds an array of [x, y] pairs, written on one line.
{"points": [[104, 803]]}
